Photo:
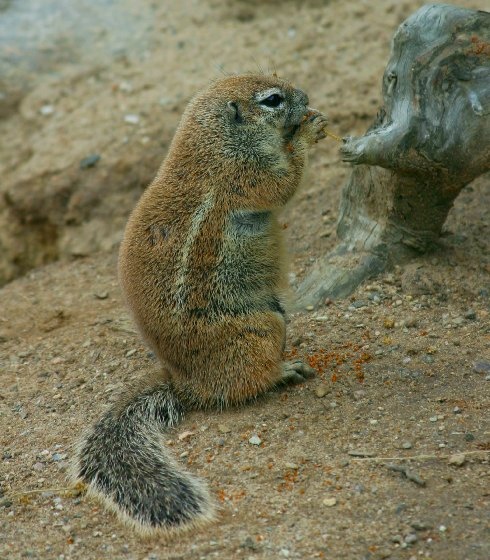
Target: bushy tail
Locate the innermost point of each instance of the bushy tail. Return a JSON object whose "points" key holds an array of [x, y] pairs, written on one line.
{"points": [[123, 462]]}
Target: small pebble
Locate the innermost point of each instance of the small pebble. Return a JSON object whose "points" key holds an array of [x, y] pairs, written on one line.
{"points": [[102, 295], [411, 322], [249, 543], [46, 110], [130, 353], [89, 161], [406, 445], [185, 435], [411, 538], [420, 526], [126, 87], [131, 119], [224, 428], [396, 539], [330, 502], [433, 419], [322, 390], [255, 440], [458, 459], [481, 366]]}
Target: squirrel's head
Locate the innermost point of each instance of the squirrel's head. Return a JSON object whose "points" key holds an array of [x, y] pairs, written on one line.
{"points": [[246, 109]]}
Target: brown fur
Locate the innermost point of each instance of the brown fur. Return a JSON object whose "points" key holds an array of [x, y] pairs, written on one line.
{"points": [[236, 357], [202, 269]]}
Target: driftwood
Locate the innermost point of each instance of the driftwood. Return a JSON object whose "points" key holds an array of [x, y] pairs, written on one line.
{"points": [[430, 139]]}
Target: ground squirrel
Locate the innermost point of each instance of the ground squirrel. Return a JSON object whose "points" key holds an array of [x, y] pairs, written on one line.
{"points": [[202, 269]]}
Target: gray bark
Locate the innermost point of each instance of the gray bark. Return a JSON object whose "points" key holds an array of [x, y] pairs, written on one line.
{"points": [[430, 139]]}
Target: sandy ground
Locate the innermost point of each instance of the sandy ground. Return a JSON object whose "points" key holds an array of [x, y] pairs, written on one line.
{"points": [[403, 366]]}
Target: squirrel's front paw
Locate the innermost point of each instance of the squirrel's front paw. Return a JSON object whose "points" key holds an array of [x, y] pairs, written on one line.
{"points": [[314, 124]]}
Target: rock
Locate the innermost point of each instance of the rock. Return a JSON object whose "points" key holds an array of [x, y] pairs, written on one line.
{"points": [[397, 539], [470, 315], [131, 119], [330, 502], [224, 428], [411, 538], [481, 366], [249, 543], [47, 110], [420, 526], [185, 435], [457, 460], [255, 440], [411, 322], [322, 390], [102, 295], [89, 161], [406, 445]]}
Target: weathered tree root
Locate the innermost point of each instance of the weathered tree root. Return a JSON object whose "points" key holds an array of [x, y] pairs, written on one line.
{"points": [[431, 138]]}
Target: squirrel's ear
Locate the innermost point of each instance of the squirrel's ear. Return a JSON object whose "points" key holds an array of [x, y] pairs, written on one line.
{"points": [[234, 112]]}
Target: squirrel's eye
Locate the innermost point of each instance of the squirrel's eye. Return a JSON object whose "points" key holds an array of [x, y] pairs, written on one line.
{"points": [[273, 100]]}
